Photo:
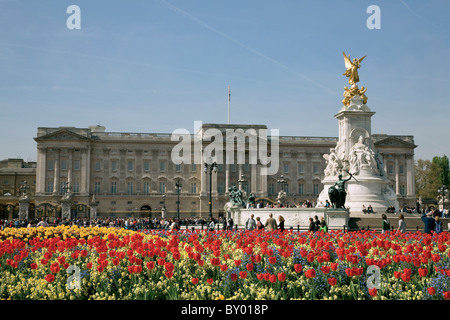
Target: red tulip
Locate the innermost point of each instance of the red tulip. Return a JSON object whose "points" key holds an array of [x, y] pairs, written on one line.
{"points": [[332, 281], [406, 277], [281, 276], [272, 260], [194, 280], [150, 265], [49, 278], [310, 273], [446, 295], [233, 277], [273, 278], [298, 267], [243, 274], [423, 272], [325, 269], [237, 262], [33, 266], [431, 291], [210, 280], [373, 292], [89, 265], [249, 266]]}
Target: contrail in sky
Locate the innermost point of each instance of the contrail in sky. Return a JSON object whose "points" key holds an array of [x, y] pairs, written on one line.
{"points": [[243, 45]]}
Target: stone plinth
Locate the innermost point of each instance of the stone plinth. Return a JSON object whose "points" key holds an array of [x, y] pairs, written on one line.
{"points": [[335, 218], [66, 206], [24, 208]]}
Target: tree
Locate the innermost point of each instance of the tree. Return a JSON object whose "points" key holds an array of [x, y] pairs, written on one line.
{"points": [[430, 176]]}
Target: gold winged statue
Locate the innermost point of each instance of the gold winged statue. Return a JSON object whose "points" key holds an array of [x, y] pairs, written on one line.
{"points": [[352, 68]]}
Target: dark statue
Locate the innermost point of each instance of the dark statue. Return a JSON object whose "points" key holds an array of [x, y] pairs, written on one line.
{"points": [[337, 193], [236, 196]]}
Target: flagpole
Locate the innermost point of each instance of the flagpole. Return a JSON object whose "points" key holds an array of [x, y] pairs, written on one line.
{"points": [[228, 104]]}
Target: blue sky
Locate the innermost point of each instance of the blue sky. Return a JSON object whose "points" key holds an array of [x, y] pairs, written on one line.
{"points": [[155, 66]]}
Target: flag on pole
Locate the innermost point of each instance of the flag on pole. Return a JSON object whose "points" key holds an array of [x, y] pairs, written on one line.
{"points": [[229, 97]]}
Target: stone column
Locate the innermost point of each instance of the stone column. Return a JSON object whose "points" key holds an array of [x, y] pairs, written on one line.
{"points": [[41, 169], [227, 177], [253, 184], [69, 167], [397, 176], [263, 183], [410, 184], [83, 177], [56, 185]]}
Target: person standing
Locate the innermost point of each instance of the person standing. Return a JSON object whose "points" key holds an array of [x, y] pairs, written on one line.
{"points": [[211, 224], [316, 223], [271, 223], [437, 224], [401, 224], [251, 223], [428, 222], [323, 225], [385, 225], [312, 225], [259, 225], [230, 223], [281, 223]]}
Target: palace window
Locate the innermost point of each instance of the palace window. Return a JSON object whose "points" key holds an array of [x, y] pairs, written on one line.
{"points": [[194, 187], [301, 168], [97, 187], [316, 188], [76, 165], [49, 186], [301, 189], [51, 165], [315, 168], [271, 188], [130, 165], [146, 187], [146, 165], [114, 165], [113, 187], [162, 187], [130, 187], [63, 164]]}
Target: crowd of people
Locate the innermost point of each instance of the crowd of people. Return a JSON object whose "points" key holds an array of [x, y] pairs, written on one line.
{"points": [[304, 204], [272, 224]]}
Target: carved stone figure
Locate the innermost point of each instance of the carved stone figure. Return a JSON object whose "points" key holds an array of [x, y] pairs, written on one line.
{"points": [[281, 197], [333, 163]]}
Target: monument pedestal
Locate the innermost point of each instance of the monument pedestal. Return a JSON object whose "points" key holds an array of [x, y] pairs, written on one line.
{"points": [[24, 208]]}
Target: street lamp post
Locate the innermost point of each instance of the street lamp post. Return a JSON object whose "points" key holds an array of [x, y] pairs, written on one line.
{"points": [[178, 187], [210, 167], [443, 190], [163, 210]]}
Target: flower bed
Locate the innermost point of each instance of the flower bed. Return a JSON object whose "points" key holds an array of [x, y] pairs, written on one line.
{"points": [[46, 263]]}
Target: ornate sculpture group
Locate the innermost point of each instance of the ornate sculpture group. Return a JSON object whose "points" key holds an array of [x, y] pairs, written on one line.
{"points": [[353, 78]]}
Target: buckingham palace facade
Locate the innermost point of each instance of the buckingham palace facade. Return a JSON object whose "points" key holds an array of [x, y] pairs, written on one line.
{"points": [[132, 174]]}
